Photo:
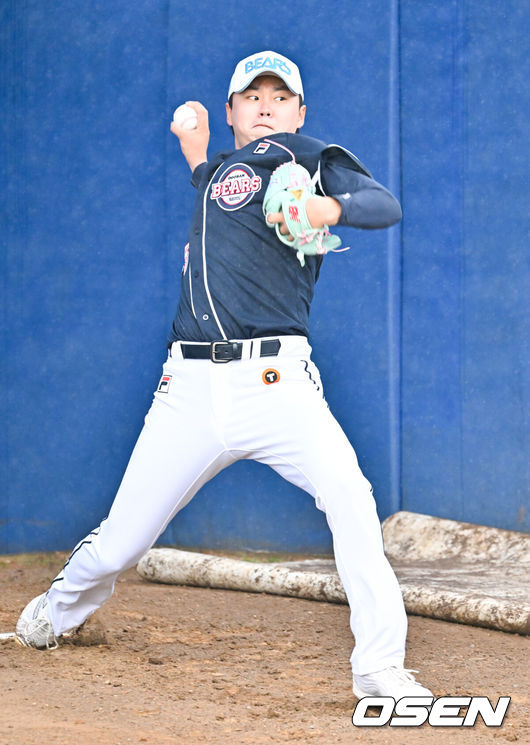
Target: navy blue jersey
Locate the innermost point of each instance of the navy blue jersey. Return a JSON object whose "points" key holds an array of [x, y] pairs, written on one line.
{"points": [[240, 281]]}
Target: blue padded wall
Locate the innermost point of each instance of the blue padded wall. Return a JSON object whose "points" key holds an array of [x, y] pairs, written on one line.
{"points": [[466, 261]]}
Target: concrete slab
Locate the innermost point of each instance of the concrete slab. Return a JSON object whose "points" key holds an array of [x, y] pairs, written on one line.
{"points": [[461, 572], [446, 569]]}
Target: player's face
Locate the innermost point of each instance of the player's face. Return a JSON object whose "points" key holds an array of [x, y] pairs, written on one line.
{"points": [[265, 107]]}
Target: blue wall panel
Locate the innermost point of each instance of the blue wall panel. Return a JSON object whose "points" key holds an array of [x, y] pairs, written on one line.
{"points": [[431, 126], [85, 259], [421, 332], [466, 261]]}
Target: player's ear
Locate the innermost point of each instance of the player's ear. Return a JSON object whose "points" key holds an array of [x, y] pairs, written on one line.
{"points": [[228, 114], [301, 116]]}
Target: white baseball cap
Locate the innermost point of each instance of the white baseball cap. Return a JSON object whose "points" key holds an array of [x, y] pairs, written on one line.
{"points": [[266, 63]]}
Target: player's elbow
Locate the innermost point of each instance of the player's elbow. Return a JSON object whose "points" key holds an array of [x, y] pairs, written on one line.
{"points": [[383, 211], [393, 211], [371, 209]]}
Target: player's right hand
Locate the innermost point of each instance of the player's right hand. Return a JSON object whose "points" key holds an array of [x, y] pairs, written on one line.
{"points": [[194, 142]]}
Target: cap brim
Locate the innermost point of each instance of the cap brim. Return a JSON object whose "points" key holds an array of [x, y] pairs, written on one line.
{"points": [[260, 73]]}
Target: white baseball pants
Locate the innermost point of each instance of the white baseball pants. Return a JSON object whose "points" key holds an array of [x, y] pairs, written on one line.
{"points": [[206, 416]]}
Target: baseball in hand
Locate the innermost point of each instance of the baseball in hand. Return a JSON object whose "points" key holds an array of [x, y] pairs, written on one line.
{"points": [[185, 117]]}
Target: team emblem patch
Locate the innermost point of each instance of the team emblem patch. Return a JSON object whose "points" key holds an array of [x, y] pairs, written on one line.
{"points": [[236, 187], [262, 148], [163, 386], [270, 376]]}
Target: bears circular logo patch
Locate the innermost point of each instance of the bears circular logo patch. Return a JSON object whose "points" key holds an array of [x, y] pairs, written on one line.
{"points": [[270, 376], [236, 187]]}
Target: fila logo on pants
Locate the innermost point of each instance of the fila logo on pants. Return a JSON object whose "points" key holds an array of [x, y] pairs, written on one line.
{"points": [[163, 386]]}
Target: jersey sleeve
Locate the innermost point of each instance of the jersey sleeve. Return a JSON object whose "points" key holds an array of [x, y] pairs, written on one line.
{"points": [[199, 174], [364, 202]]}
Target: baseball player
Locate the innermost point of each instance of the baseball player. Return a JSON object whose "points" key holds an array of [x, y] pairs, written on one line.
{"points": [[239, 381]]}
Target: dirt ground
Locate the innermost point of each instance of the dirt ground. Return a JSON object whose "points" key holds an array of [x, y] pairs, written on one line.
{"points": [[166, 665]]}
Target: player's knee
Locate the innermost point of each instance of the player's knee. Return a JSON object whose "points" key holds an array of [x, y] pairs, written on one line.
{"points": [[346, 492]]}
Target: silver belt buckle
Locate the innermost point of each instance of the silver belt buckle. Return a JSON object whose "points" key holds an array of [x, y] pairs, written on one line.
{"points": [[212, 352]]}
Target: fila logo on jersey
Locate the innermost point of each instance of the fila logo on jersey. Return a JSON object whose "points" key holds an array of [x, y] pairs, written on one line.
{"points": [[236, 187], [270, 376], [261, 148], [163, 386]]}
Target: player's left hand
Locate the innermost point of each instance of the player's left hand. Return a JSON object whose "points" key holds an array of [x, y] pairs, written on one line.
{"points": [[277, 217], [298, 215], [320, 211]]}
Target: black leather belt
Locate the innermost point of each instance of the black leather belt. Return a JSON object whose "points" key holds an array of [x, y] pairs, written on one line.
{"points": [[226, 351]]}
